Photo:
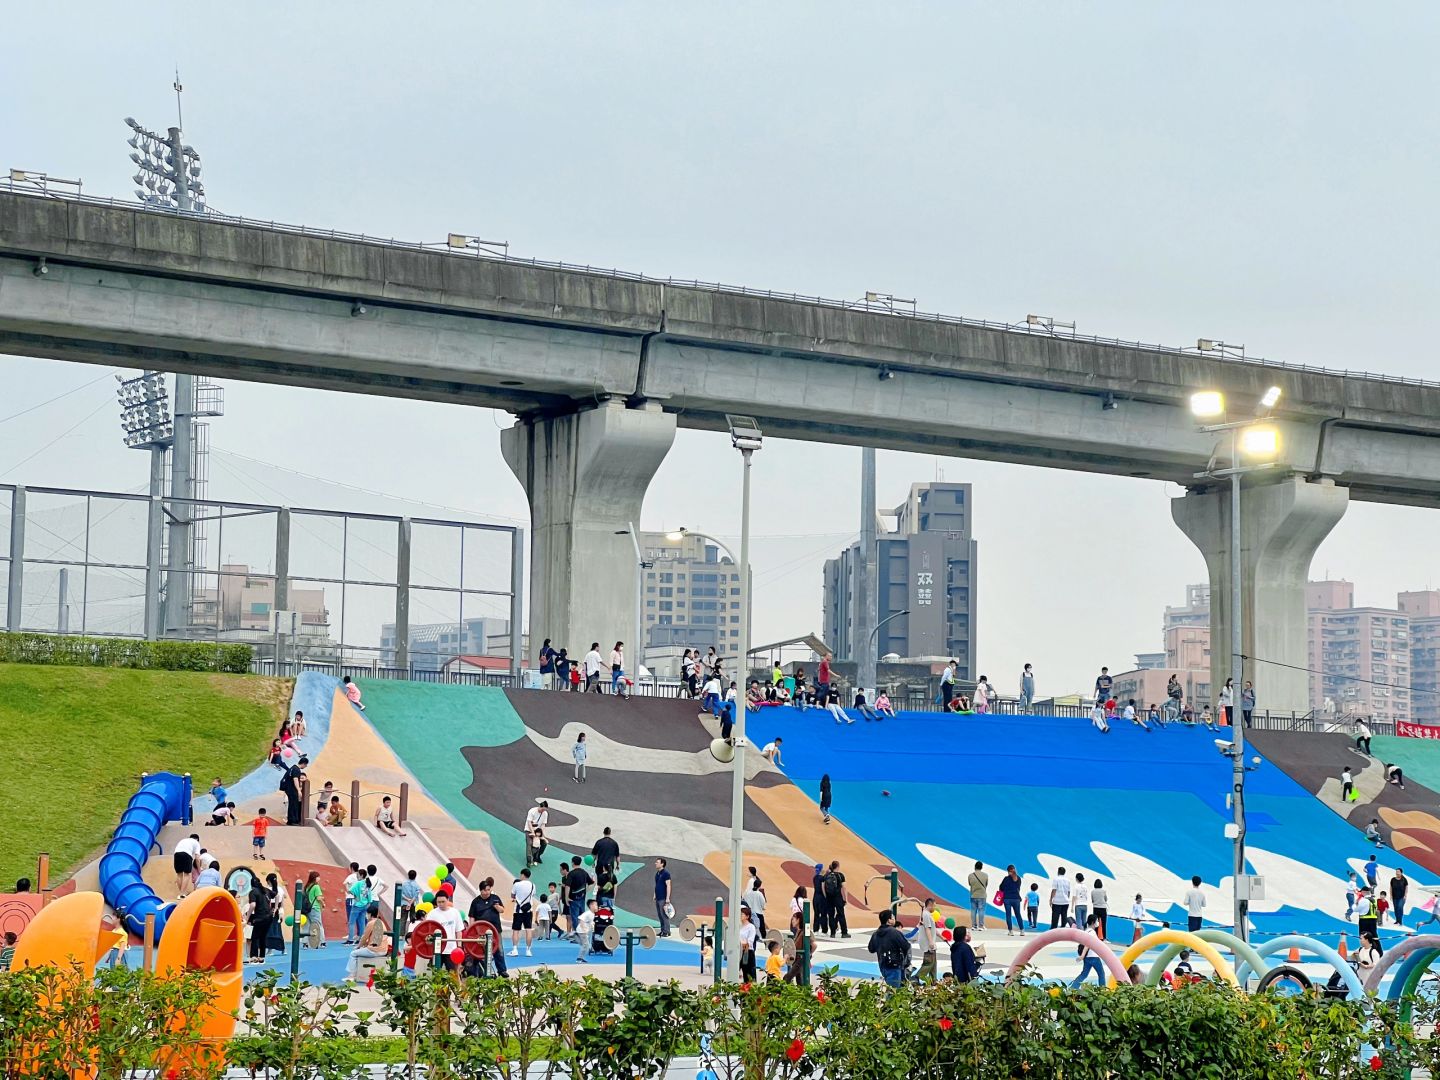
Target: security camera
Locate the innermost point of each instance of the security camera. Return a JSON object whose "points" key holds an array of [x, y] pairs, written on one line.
{"points": [[1225, 747]]}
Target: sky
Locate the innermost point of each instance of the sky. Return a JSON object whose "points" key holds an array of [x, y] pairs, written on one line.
{"points": [[1157, 172]]}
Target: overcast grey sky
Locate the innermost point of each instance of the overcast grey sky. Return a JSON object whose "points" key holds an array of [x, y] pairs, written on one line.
{"points": [[1259, 173]]}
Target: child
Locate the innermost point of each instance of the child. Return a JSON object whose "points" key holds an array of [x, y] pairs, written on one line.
{"points": [[1032, 904], [552, 898], [882, 702], [543, 914], [707, 953], [585, 928], [1138, 915], [277, 754], [774, 964], [1382, 905], [1183, 970], [1153, 717], [1372, 833], [258, 828], [409, 897], [1207, 720], [1133, 716], [224, 814], [1110, 708], [336, 815], [1187, 715], [580, 752], [1097, 717], [1347, 784], [352, 692], [298, 724], [217, 789]]}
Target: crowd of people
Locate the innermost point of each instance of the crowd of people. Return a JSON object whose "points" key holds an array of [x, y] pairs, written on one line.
{"points": [[559, 671]]}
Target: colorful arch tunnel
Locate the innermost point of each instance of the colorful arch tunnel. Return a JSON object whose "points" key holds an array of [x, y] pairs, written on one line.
{"points": [[163, 797]]}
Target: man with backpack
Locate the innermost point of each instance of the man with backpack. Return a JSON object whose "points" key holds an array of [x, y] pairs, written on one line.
{"points": [[821, 923], [891, 949], [834, 888]]}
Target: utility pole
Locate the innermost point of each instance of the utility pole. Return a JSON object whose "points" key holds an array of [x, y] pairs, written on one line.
{"points": [[862, 639]]}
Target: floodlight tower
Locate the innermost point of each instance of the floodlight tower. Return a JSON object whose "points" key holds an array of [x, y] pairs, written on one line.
{"points": [[146, 420]]}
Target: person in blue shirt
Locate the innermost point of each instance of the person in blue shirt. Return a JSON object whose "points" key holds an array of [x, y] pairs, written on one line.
{"points": [[218, 790], [963, 964], [1372, 869], [1103, 685]]}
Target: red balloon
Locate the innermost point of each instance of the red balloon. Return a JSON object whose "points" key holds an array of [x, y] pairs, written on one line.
{"points": [[457, 956], [945, 935]]}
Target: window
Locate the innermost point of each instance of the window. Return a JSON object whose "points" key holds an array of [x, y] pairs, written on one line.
{"points": [[667, 578], [665, 605], [665, 590], [649, 603], [734, 618]]}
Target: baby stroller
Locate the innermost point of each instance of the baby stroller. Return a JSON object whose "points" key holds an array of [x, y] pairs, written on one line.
{"points": [[604, 919]]}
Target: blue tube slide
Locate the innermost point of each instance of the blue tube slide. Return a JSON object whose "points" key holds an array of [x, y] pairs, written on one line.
{"points": [[163, 797]]}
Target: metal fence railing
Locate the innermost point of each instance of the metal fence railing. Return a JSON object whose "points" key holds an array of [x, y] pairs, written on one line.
{"points": [[877, 308]]}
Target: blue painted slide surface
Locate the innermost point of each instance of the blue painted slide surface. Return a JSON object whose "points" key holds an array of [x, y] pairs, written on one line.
{"points": [[163, 797]]}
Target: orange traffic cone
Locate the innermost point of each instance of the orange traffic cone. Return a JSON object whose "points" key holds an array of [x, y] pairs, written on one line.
{"points": [[1344, 948], [1294, 956]]}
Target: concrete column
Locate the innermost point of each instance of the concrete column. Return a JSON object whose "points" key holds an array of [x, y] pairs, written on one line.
{"points": [[15, 584], [401, 658], [1281, 525], [585, 474]]}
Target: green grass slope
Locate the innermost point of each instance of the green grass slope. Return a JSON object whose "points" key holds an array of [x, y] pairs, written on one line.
{"points": [[79, 738]]}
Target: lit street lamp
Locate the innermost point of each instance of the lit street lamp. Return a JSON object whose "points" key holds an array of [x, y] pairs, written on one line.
{"points": [[1257, 441], [746, 437]]}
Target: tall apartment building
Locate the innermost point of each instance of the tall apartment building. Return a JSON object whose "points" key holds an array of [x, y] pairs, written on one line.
{"points": [[1423, 608], [1359, 656], [926, 567], [692, 597]]}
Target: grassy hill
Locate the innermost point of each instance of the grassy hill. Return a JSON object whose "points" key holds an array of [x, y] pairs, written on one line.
{"points": [[79, 738]]}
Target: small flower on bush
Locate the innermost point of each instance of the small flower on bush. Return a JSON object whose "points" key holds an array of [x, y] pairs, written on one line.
{"points": [[1375, 1063], [796, 1050], [820, 997], [946, 1023]]}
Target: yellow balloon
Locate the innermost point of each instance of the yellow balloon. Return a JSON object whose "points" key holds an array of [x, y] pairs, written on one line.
{"points": [[938, 919], [434, 883], [304, 919]]}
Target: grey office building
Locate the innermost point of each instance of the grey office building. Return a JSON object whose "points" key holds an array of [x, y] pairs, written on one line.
{"points": [[926, 566]]}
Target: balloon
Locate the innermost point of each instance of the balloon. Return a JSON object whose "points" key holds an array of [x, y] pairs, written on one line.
{"points": [[945, 935], [448, 888], [304, 919], [950, 924], [434, 883], [938, 918], [428, 898], [289, 920], [424, 907], [442, 872], [457, 956], [589, 860]]}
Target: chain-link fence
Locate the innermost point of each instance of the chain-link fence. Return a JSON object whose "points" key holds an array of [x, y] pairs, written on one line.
{"points": [[299, 585]]}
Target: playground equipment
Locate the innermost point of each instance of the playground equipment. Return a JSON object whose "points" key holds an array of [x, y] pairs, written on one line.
{"points": [[70, 930], [1185, 940], [691, 928], [1301, 944], [206, 932], [163, 797], [1116, 966], [643, 936]]}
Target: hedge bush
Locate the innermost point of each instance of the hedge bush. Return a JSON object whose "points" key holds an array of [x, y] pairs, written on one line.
{"points": [[124, 652]]}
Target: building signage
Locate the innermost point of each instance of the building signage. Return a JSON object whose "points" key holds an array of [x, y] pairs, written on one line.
{"points": [[1416, 731]]}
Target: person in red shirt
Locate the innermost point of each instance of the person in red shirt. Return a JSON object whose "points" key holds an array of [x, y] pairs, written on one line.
{"points": [[258, 828], [822, 682]]}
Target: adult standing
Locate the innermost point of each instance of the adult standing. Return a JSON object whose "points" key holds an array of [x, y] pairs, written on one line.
{"points": [[821, 920], [825, 798], [1369, 922], [947, 685], [835, 899], [617, 666], [1227, 703], [1027, 689], [664, 907], [607, 853], [891, 949], [312, 906], [537, 818], [592, 665], [687, 679], [522, 919], [1059, 899], [261, 914], [1010, 899], [929, 938], [1399, 886], [1195, 904], [452, 923], [1079, 900], [1362, 737], [754, 899], [487, 907], [563, 663], [749, 937], [822, 682], [1104, 683], [547, 665], [577, 885], [979, 884], [1174, 695], [1247, 702], [290, 785], [1100, 906]]}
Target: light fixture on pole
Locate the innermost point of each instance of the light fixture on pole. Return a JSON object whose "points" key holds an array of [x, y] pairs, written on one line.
{"points": [[1049, 323], [462, 242], [1259, 442], [745, 436], [167, 173]]}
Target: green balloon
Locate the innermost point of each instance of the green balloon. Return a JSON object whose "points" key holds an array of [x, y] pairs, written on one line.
{"points": [[428, 898], [950, 924], [589, 860], [442, 872], [289, 920]]}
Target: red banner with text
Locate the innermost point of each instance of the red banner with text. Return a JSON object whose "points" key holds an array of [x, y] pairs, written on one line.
{"points": [[1416, 731]]}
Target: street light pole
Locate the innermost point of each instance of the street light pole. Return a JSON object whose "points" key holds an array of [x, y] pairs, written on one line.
{"points": [[637, 649], [745, 436], [1237, 724]]}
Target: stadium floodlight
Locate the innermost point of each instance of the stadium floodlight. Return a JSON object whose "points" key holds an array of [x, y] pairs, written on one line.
{"points": [[173, 167], [1271, 398]]}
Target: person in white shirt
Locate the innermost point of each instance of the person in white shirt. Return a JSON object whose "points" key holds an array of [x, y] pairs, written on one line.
{"points": [[185, 853], [350, 880], [771, 752], [544, 916], [537, 819], [710, 695], [617, 666], [1195, 904], [1097, 717], [1362, 737], [585, 927], [754, 899], [592, 665], [523, 919], [453, 923], [1059, 899], [1080, 901], [981, 700], [1134, 717], [1138, 915], [376, 885], [1227, 702]]}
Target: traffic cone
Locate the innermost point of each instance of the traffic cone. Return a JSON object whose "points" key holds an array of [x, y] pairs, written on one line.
{"points": [[1344, 948], [1294, 956]]}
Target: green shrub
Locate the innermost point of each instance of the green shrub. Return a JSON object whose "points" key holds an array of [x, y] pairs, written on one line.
{"points": [[59, 649]]}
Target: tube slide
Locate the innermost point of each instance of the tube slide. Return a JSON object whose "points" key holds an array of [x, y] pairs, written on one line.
{"points": [[162, 797]]}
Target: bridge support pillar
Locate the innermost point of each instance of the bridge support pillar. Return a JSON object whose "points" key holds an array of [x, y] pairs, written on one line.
{"points": [[585, 474], [1281, 525]]}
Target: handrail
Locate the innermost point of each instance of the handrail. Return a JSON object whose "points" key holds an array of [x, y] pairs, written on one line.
{"points": [[438, 248]]}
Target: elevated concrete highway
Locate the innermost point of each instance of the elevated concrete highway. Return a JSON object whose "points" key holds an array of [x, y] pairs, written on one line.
{"points": [[600, 368]]}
